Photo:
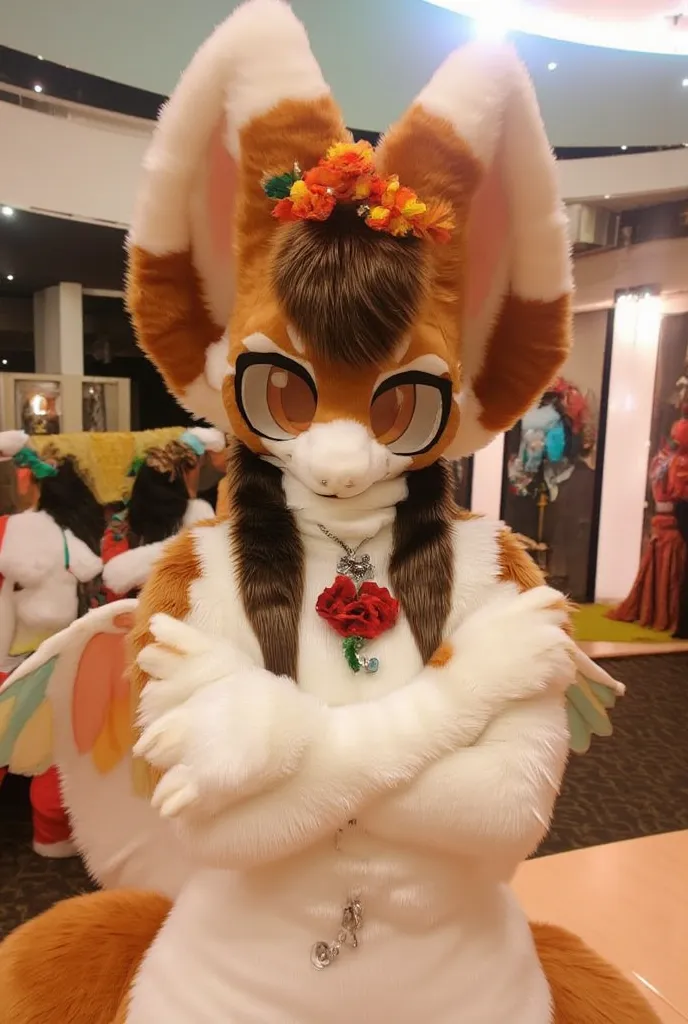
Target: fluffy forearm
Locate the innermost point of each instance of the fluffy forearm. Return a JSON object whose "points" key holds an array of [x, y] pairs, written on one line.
{"points": [[352, 755], [494, 799]]}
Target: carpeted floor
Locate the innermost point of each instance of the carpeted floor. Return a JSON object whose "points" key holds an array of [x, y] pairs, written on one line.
{"points": [[634, 784]]}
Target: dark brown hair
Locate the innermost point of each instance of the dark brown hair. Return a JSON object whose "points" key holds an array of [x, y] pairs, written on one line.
{"points": [[351, 292], [269, 557]]}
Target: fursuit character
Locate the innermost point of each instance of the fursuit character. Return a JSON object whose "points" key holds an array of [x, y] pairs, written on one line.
{"points": [[351, 722]]}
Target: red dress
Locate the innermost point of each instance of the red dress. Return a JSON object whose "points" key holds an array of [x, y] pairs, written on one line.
{"points": [[655, 598]]}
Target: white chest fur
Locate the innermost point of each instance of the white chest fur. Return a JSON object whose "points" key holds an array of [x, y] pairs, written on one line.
{"points": [[442, 938]]}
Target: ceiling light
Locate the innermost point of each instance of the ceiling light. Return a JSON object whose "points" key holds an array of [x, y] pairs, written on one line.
{"points": [[38, 87], [10, 277], [40, 56], [4, 362], [493, 19], [552, 66], [624, 148], [7, 211], [607, 196], [599, 25]]}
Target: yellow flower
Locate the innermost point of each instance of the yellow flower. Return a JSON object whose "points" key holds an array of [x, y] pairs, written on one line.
{"points": [[413, 208], [298, 190]]}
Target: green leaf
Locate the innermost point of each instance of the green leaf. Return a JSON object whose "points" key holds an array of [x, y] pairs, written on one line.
{"points": [[279, 186], [351, 646]]}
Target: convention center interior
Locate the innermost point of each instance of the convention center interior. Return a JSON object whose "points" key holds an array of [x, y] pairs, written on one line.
{"points": [[309, 714]]}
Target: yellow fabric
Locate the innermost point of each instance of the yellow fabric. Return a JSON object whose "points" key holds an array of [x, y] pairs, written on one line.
{"points": [[32, 752], [590, 623], [27, 643], [106, 457]]}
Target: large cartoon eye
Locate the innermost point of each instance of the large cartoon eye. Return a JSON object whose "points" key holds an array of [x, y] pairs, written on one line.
{"points": [[276, 396], [410, 410]]}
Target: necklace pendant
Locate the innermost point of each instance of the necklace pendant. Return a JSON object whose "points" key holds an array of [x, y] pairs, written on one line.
{"points": [[359, 569]]}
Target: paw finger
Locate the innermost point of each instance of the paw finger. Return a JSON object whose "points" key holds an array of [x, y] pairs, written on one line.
{"points": [[159, 662], [162, 743], [175, 791], [178, 635]]}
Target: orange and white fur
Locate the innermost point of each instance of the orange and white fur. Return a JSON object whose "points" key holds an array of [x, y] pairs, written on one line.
{"points": [[417, 790]]}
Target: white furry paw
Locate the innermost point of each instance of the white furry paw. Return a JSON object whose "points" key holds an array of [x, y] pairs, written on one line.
{"points": [[231, 739], [180, 663], [518, 646]]}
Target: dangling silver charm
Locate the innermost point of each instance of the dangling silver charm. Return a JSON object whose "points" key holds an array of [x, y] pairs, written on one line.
{"points": [[323, 954], [358, 569]]}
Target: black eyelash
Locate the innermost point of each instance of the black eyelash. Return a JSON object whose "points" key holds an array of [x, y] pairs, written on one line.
{"points": [[443, 385], [247, 359]]}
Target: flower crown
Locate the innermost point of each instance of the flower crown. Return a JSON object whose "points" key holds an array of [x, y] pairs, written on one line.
{"points": [[347, 175]]}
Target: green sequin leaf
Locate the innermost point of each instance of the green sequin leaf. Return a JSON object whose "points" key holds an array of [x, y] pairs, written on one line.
{"points": [[351, 646], [280, 185]]}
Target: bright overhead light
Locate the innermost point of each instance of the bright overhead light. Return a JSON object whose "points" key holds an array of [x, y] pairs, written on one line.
{"points": [[684, 83], [10, 277], [644, 33], [38, 87], [607, 196], [7, 211], [493, 19], [40, 56], [4, 362], [624, 148], [552, 66]]}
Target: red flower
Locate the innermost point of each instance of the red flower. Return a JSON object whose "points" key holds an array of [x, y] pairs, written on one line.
{"points": [[366, 613]]}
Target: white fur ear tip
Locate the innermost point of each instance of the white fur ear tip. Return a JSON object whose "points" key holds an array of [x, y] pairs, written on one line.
{"points": [[12, 441], [216, 363]]}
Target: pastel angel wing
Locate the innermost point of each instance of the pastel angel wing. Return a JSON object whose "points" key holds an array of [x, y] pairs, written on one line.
{"points": [[588, 702], [26, 725], [69, 704]]}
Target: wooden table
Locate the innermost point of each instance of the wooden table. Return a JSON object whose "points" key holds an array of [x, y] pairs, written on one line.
{"points": [[629, 901]]}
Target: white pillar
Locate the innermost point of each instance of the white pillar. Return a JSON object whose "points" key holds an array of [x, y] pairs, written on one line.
{"points": [[59, 330], [637, 323], [486, 484]]}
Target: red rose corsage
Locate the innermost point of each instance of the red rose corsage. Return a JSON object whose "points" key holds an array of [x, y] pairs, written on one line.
{"points": [[357, 615]]}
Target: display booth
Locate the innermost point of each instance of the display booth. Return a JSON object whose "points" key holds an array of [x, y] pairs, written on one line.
{"points": [[573, 477], [43, 403]]}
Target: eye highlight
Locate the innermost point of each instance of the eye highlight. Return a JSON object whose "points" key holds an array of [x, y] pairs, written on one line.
{"points": [[276, 396], [410, 410]]}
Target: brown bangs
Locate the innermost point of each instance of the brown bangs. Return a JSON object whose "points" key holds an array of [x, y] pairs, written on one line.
{"points": [[351, 292]]}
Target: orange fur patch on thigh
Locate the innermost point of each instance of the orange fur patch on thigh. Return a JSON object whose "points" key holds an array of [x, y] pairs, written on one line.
{"points": [[75, 963], [585, 988]]}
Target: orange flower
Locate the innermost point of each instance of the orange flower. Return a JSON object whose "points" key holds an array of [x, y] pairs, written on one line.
{"points": [[347, 174], [351, 158], [378, 218]]}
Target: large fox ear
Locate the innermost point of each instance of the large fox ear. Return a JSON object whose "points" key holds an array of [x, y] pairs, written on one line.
{"points": [[251, 103], [503, 283]]}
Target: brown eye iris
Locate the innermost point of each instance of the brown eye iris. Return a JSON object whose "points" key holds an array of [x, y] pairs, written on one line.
{"points": [[291, 402], [392, 412], [276, 396], [410, 411]]}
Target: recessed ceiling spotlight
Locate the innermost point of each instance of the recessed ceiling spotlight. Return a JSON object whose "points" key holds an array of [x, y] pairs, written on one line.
{"points": [[607, 196], [38, 87], [624, 148], [684, 83], [4, 362], [40, 56], [552, 66], [10, 277], [7, 211]]}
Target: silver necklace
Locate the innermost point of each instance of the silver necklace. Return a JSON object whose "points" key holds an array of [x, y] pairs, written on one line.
{"points": [[358, 568]]}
